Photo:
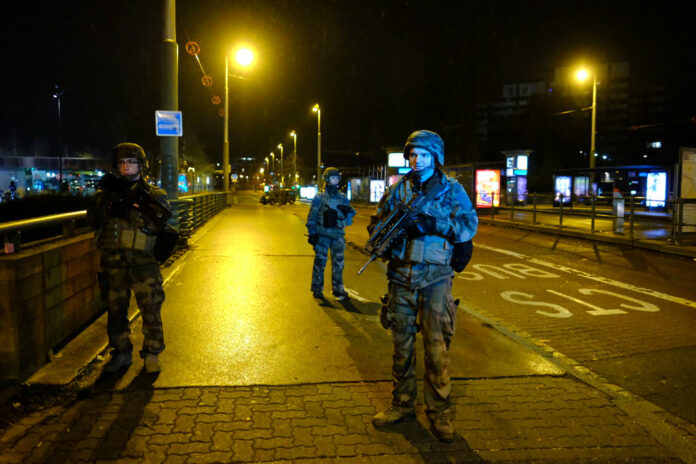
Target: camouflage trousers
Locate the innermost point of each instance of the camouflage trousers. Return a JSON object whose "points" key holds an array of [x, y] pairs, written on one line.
{"points": [[437, 312], [321, 250], [123, 271]]}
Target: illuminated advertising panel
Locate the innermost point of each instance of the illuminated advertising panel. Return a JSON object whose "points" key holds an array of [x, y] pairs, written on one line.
{"points": [[581, 186], [308, 192], [349, 191], [396, 160], [656, 189], [183, 184], [521, 188], [563, 188], [487, 188], [376, 190], [522, 162]]}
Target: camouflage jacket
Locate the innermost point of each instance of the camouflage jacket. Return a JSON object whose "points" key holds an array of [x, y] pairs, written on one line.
{"points": [[120, 226], [321, 204], [421, 261]]}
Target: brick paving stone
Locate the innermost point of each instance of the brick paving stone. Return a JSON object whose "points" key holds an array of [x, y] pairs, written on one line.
{"points": [[252, 434], [170, 438], [203, 431], [345, 450], [272, 443], [295, 452], [303, 436], [325, 446], [264, 455], [209, 458], [188, 448], [243, 450], [232, 426], [262, 420]]}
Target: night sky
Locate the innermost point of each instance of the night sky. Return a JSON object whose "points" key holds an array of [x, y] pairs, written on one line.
{"points": [[378, 69]]}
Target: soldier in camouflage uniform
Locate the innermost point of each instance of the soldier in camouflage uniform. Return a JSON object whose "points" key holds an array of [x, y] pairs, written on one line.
{"points": [[420, 271], [329, 214], [126, 238]]}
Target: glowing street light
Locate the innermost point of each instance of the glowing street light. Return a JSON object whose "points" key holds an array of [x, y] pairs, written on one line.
{"points": [[294, 157], [244, 58], [317, 110], [581, 75], [282, 181]]}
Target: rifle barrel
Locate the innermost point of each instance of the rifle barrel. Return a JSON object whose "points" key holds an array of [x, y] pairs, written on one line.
{"points": [[372, 258]]}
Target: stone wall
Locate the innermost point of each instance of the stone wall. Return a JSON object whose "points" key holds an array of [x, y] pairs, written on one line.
{"points": [[47, 294]]}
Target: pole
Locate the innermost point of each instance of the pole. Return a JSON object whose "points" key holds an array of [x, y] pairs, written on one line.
{"points": [[282, 170], [226, 140], [318, 146], [294, 159], [594, 121], [169, 146], [60, 150]]}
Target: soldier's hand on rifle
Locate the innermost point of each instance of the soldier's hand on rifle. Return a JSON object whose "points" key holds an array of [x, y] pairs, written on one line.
{"points": [[345, 209], [313, 239], [421, 224]]}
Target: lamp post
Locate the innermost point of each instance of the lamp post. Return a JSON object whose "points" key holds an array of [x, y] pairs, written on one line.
{"points": [[293, 134], [282, 175], [267, 168], [244, 58], [581, 75], [317, 110], [57, 94], [272, 155]]}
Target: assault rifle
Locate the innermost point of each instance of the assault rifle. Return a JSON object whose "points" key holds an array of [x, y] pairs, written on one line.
{"points": [[132, 195], [392, 228]]}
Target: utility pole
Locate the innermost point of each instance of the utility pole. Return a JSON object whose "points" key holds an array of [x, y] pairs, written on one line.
{"points": [[169, 146]]}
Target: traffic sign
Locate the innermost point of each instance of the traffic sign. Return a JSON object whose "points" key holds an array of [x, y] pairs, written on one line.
{"points": [[207, 80], [168, 124], [216, 100], [192, 48]]}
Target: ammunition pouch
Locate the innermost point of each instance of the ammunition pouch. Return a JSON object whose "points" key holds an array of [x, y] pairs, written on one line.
{"points": [[398, 322]]}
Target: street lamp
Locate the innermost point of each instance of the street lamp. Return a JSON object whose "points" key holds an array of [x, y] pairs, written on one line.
{"points": [[582, 75], [317, 110], [57, 94], [244, 57], [282, 181], [294, 157]]}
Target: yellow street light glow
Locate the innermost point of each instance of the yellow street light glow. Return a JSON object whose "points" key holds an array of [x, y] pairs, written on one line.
{"points": [[292, 134], [261, 171], [244, 56], [582, 74], [315, 108], [280, 145]]}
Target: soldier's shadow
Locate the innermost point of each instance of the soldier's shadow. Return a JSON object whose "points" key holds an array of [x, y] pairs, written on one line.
{"points": [[430, 448], [352, 306]]}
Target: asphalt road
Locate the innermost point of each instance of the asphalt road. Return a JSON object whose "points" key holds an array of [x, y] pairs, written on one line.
{"points": [[239, 310]]}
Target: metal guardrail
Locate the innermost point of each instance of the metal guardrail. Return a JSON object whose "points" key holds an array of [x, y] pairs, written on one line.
{"points": [[188, 214], [622, 213]]}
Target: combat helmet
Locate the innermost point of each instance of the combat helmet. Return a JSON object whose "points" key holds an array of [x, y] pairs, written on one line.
{"points": [[328, 172], [429, 141], [129, 150]]}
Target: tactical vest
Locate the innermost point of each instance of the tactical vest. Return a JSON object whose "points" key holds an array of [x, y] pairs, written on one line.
{"points": [[119, 234], [326, 210]]}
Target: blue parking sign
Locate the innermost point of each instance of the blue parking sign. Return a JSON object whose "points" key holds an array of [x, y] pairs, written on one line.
{"points": [[168, 124]]}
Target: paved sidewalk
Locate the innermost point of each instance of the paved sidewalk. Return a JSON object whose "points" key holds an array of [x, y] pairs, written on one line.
{"points": [[524, 419]]}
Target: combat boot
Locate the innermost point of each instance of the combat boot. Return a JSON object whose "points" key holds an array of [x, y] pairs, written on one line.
{"points": [[119, 360], [340, 295], [442, 426], [392, 415], [152, 364], [318, 295]]}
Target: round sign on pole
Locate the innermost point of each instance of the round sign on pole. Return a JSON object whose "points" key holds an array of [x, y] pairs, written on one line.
{"points": [[216, 100], [207, 80], [192, 48]]}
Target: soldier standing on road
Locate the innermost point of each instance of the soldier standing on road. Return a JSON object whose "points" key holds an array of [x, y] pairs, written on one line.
{"points": [[420, 271], [126, 238], [329, 214]]}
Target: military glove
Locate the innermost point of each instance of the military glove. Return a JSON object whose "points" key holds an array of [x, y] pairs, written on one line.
{"points": [[461, 255], [345, 209], [313, 239], [421, 224]]}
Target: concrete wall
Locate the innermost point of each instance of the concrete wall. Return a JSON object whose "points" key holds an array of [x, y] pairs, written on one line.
{"points": [[47, 294]]}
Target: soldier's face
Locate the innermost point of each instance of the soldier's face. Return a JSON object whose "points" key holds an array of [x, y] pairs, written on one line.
{"points": [[334, 180], [420, 159], [128, 167]]}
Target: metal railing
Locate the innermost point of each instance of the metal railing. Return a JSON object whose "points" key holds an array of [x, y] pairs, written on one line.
{"points": [[675, 222], [188, 214]]}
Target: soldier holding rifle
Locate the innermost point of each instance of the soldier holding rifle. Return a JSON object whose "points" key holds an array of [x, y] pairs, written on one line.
{"points": [[129, 215], [423, 226]]}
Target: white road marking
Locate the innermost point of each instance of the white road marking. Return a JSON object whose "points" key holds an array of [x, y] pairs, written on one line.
{"points": [[355, 295], [596, 278]]}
